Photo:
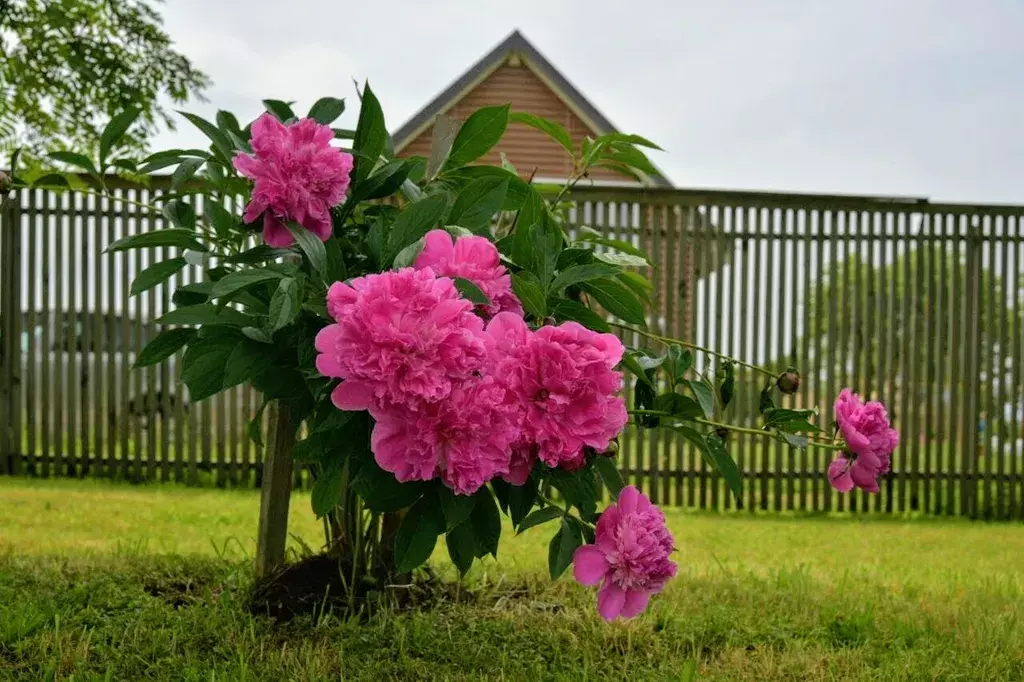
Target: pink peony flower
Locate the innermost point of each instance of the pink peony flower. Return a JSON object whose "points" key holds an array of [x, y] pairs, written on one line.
{"points": [[563, 382], [298, 177], [847, 471], [473, 258], [465, 439], [870, 441], [401, 338], [630, 555]]}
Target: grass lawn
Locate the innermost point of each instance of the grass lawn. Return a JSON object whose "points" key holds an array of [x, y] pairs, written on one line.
{"points": [[105, 581]]}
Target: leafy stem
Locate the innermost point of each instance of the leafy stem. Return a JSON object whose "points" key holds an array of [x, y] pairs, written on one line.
{"points": [[685, 344], [737, 429]]}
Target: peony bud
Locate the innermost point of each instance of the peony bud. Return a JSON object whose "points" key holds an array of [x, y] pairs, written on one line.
{"points": [[789, 382], [5, 183]]}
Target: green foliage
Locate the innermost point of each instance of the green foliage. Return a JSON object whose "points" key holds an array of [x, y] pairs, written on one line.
{"points": [[69, 66], [256, 315]]}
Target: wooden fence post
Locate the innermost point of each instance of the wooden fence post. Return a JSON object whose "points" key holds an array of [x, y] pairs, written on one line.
{"points": [[10, 335], [272, 535]]}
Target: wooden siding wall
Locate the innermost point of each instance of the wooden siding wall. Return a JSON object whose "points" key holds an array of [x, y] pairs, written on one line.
{"points": [[525, 147]]}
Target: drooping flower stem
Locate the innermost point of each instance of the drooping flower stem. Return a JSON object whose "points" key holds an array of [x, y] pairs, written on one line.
{"points": [[685, 344], [737, 429]]}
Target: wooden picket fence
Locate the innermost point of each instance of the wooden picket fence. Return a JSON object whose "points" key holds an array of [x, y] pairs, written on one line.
{"points": [[917, 304]]}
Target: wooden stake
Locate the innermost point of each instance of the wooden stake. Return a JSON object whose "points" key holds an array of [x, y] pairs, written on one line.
{"points": [[272, 535]]}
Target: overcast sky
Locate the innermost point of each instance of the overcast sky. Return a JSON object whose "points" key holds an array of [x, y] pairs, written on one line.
{"points": [[907, 97]]}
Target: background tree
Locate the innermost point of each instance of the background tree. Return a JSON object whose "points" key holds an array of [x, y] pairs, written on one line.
{"points": [[913, 323], [69, 66]]}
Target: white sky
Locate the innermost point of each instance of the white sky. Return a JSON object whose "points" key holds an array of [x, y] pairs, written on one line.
{"points": [[909, 97]]}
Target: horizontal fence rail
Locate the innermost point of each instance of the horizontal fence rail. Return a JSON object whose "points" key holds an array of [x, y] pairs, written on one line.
{"points": [[916, 304]]}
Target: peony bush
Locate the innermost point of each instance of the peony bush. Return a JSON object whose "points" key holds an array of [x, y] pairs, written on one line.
{"points": [[443, 341]]}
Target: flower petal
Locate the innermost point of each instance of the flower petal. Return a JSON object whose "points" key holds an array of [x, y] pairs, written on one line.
{"points": [[839, 474], [589, 565], [610, 600], [636, 602], [352, 396], [275, 232]]}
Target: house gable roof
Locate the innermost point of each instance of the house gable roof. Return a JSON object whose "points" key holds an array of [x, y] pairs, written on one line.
{"points": [[514, 45]]}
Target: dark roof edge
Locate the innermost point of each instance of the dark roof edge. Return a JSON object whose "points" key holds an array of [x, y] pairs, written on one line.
{"points": [[516, 42]]}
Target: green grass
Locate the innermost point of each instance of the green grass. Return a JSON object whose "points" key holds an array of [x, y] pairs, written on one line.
{"points": [[105, 581]]}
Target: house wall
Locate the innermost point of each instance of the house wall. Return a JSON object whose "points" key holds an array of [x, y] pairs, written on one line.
{"points": [[527, 149]]}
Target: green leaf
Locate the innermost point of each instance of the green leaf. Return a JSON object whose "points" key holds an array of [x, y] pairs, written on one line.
{"points": [[518, 189], [556, 131], [616, 299], [530, 293], [579, 488], [414, 222], [630, 362], [462, 546], [766, 404], [592, 236], [778, 416], [192, 294], [227, 121], [248, 359], [486, 522], [577, 312], [609, 474], [371, 137], [562, 547], [51, 180], [407, 256], [258, 254], [316, 252], [725, 465], [689, 673], [381, 492], [115, 130], [326, 110], [638, 284], [164, 345], [156, 274], [256, 425], [284, 304], [632, 139], [75, 159], [180, 213], [538, 517], [631, 157], [257, 334], [336, 270], [203, 365], [678, 405], [705, 396], [243, 279], [534, 212], [477, 204], [471, 291], [221, 144], [728, 386], [680, 361], [184, 172], [521, 499], [282, 111], [624, 260], [417, 536], [582, 273], [327, 490], [224, 223], [477, 135], [385, 182], [185, 239], [795, 440], [207, 313], [456, 508]]}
